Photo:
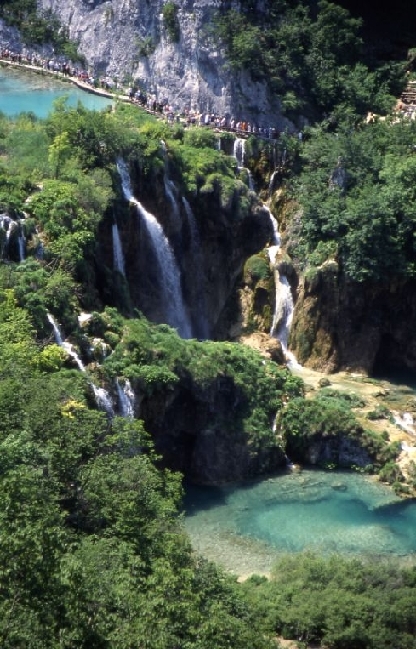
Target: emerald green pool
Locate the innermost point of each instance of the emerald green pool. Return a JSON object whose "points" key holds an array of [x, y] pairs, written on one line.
{"points": [[245, 528], [22, 91]]}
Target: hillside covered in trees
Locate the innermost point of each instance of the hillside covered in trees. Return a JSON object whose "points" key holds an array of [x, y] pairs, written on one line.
{"points": [[104, 407]]}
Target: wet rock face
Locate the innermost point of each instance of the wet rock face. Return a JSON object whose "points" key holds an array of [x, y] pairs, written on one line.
{"points": [[196, 433], [128, 39], [341, 325]]}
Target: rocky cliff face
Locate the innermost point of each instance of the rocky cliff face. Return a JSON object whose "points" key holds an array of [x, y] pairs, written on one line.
{"points": [[339, 324], [128, 39], [195, 431]]}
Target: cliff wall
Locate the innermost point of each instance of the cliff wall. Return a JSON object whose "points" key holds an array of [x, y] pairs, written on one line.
{"points": [[127, 39]]}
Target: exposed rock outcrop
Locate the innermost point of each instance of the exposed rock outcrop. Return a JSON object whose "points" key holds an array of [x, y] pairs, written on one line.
{"points": [[344, 325], [127, 39]]}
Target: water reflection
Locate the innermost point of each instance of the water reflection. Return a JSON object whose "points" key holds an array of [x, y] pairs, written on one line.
{"points": [[246, 528]]}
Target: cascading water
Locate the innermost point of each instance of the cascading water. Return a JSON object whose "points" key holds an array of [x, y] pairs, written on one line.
{"points": [[202, 328], [239, 153], [170, 191], [125, 396], [22, 247], [169, 275], [283, 312], [118, 257], [102, 398]]}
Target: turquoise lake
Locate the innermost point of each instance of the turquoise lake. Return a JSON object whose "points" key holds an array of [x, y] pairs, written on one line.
{"points": [[246, 528], [22, 91]]}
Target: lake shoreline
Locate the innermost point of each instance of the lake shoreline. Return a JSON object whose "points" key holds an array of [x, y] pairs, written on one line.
{"points": [[101, 92]]}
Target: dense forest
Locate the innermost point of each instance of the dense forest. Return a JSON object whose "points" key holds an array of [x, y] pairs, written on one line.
{"points": [[92, 547]]}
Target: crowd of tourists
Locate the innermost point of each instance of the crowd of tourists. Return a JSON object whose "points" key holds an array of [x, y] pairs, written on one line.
{"points": [[151, 103], [197, 118]]}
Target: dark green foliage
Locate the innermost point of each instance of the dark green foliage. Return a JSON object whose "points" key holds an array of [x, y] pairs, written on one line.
{"points": [[309, 54], [91, 546], [170, 20], [257, 268], [329, 419], [338, 603], [155, 358], [356, 191]]}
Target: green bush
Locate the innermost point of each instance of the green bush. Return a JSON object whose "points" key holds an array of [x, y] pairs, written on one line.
{"points": [[170, 20]]}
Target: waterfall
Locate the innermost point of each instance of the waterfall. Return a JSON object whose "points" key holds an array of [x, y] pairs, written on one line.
{"points": [[102, 398], [118, 257], [22, 246], [272, 181], [66, 346], [283, 312], [169, 274], [170, 191], [8, 226], [239, 153], [125, 396], [201, 307]]}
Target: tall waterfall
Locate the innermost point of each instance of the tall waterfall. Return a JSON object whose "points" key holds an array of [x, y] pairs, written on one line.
{"points": [[118, 257], [283, 312], [202, 328], [168, 270], [102, 398]]}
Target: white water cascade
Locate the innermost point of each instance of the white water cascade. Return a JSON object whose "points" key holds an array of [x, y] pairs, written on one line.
{"points": [[102, 398], [239, 153], [22, 247], [170, 279], [118, 256], [283, 312], [125, 396], [196, 254], [170, 191]]}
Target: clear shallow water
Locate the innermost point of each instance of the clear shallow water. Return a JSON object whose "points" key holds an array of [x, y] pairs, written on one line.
{"points": [[246, 528], [22, 91]]}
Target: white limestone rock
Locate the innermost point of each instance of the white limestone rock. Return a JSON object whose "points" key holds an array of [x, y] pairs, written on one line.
{"points": [[190, 73]]}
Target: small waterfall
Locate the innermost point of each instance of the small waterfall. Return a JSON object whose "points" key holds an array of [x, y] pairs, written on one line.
{"points": [[66, 346], [283, 312], [22, 247], [8, 226], [170, 279], [201, 307], [125, 396], [170, 191], [102, 398], [272, 182], [118, 257], [239, 151]]}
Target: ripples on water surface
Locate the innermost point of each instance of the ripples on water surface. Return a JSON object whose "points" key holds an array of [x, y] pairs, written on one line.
{"points": [[245, 528], [23, 91]]}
